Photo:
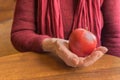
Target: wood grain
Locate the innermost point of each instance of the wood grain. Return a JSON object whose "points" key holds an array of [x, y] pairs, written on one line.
{"points": [[6, 47], [32, 66], [6, 9], [6, 15]]}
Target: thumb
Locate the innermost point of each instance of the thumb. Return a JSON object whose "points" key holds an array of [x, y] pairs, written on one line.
{"points": [[102, 49]]}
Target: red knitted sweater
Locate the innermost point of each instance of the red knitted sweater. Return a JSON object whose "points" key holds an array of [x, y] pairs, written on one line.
{"points": [[25, 37]]}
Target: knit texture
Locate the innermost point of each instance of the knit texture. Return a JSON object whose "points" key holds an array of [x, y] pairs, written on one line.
{"points": [[27, 33]]}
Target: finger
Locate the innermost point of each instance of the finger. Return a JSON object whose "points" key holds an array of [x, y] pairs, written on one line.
{"points": [[66, 44], [102, 49], [96, 54], [81, 62], [67, 56], [92, 58]]}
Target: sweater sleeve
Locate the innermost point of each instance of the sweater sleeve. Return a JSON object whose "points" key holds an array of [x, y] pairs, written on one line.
{"points": [[23, 34], [111, 29]]}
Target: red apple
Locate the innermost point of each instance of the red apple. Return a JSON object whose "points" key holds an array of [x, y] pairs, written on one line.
{"points": [[82, 42]]}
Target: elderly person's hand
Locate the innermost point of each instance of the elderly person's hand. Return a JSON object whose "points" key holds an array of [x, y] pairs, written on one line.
{"points": [[60, 47]]}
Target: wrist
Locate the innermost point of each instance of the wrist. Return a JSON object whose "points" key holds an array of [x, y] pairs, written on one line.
{"points": [[48, 44]]}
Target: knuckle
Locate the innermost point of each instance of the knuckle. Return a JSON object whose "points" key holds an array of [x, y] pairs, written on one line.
{"points": [[73, 63], [88, 63], [85, 65], [56, 42]]}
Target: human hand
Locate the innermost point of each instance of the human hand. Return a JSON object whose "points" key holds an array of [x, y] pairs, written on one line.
{"points": [[61, 48]]}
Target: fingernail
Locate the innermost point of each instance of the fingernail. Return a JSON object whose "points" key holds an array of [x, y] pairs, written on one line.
{"points": [[104, 50]]}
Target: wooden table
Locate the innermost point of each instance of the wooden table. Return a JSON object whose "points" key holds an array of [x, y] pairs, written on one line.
{"points": [[6, 9], [33, 66], [6, 47]]}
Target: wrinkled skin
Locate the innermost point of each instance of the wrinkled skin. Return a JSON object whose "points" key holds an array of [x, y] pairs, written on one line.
{"points": [[60, 47]]}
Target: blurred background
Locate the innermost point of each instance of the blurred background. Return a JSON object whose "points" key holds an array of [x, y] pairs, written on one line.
{"points": [[6, 9], [6, 17]]}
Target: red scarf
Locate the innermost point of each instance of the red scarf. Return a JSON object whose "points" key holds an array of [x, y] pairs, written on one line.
{"points": [[87, 15]]}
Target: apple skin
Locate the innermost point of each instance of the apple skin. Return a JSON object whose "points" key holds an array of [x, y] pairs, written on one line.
{"points": [[82, 42]]}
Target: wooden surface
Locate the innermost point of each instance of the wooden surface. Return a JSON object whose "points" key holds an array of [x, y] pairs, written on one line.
{"points": [[32, 66], [6, 47], [6, 9], [6, 15]]}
